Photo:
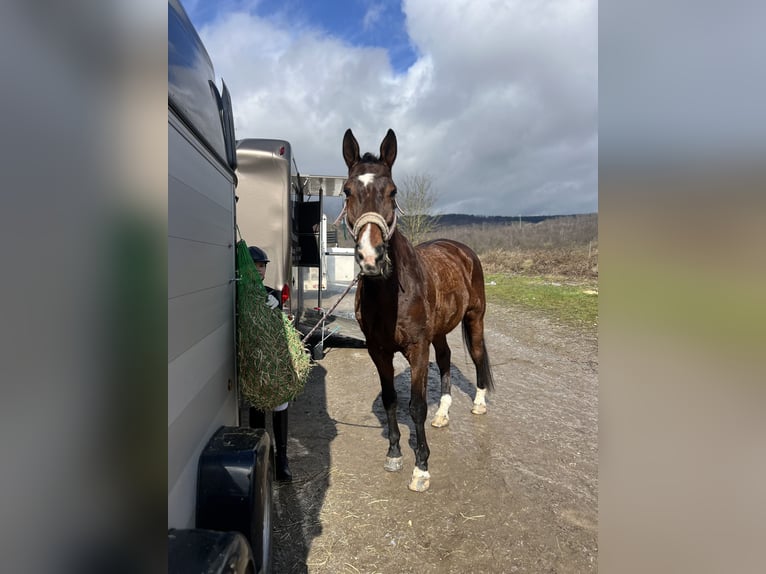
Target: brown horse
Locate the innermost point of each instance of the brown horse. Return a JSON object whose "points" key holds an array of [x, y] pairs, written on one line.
{"points": [[410, 298]]}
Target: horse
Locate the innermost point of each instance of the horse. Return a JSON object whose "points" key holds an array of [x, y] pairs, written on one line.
{"points": [[409, 298]]}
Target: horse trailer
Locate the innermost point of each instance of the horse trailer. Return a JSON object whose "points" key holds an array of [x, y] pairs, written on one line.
{"points": [[283, 213], [220, 189], [220, 474], [275, 213]]}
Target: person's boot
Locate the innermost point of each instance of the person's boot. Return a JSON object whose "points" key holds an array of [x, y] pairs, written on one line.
{"points": [[257, 419], [279, 419]]}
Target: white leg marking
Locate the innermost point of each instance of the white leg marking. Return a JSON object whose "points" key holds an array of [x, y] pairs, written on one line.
{"points": [[421, 480], [366, 178], [480, 403], [441, 418], [417, 473]]}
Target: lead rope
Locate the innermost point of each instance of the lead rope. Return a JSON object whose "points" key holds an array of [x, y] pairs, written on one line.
{"points": [[323, 319], [370, 216]]}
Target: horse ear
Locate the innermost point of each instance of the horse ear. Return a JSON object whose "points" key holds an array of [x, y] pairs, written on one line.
{"points": [[388, 149], [350, 149]]}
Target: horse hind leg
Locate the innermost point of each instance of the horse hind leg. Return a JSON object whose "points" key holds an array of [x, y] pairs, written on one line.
{"points": [[443, 358], [473, 337]]}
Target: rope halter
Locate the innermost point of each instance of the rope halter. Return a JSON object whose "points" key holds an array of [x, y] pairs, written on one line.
{"points": [[369, 217], [377, 219]]}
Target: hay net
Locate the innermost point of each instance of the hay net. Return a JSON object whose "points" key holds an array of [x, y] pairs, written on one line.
{"points": [[272, 363]]}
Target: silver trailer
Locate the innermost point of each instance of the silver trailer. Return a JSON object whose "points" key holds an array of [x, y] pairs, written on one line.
{"points": [[282, 212], [266, 199], [219, 474]]}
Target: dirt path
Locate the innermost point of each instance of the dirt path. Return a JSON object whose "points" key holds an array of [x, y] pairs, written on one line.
{"points": [[512, 491]]}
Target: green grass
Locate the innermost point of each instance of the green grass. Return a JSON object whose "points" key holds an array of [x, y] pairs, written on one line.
{"points": [[559, 300], [695, 301]]}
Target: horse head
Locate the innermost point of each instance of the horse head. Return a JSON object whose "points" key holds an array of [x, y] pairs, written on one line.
{"points": [[370, 203]]}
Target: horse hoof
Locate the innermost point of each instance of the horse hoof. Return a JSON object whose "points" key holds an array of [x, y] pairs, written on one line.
{"points": [[421, 480], [393, 464], [419, 483], [440, 421], [479, 409]]}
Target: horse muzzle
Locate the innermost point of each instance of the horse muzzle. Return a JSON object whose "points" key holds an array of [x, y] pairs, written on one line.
{"points": [[374, 261], [371, 234]]}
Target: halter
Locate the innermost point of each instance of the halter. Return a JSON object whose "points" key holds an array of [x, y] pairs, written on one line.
{"points": [[370, 217], [377, 219]]}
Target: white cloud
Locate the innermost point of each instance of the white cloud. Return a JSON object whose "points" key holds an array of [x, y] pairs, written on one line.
{"points": [[372, 16], [500, 108]]}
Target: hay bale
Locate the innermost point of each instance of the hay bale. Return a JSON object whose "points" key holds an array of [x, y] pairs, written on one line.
{"points": [[272, 363]]}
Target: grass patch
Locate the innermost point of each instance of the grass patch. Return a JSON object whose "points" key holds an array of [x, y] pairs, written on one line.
{"points": [[693, 301], [576, 305]]}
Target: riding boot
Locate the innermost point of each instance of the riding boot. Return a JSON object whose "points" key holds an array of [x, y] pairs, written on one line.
{"points": [[279, 419], [257, 419]]}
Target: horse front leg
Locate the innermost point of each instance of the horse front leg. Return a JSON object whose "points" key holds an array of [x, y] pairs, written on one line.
{"points": [[418, 357], [384, 362]]}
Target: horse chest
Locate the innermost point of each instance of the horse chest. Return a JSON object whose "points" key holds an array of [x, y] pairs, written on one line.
{"points": [[398, 323]]}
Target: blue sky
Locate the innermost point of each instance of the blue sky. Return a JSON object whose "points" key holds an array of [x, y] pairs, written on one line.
{"points": [[495, 101], [358, 22]]}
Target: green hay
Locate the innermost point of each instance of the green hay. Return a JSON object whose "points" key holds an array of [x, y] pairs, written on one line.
{"points": [[272, 365]]}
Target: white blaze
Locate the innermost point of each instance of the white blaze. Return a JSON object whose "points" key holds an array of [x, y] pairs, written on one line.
{"points": [[366, 178], [365, 247]]}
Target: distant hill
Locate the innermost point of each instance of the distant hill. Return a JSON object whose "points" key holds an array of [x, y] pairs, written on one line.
{"points": [[455, 219], [485, 232]]}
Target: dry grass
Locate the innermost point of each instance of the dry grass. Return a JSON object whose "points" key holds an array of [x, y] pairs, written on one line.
{"points": [[548, 234], [573, 262], [560, 247], [271, 360]]}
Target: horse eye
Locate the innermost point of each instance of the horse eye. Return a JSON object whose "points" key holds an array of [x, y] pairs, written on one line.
{"points": [[393, 192], [346, 191]]}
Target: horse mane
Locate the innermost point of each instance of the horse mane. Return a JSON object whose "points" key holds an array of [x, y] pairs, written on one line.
{"points": [[369, 158]]}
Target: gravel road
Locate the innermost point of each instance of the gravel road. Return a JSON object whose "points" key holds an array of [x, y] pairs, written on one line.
{"points": [[515, 490]]}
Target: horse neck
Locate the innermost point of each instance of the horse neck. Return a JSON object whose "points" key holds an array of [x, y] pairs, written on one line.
{"points": [[400, 249]]}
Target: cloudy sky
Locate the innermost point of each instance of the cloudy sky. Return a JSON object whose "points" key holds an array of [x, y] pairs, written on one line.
{"points": [[496, 101]]}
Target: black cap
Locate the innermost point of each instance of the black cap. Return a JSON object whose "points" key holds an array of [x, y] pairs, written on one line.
{"points": [[258, 254]]}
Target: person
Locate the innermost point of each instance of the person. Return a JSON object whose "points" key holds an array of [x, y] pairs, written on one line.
{"points": [[279, 414]]}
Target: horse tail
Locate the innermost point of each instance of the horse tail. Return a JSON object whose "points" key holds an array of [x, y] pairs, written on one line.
{"points": [[484, 377]]}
